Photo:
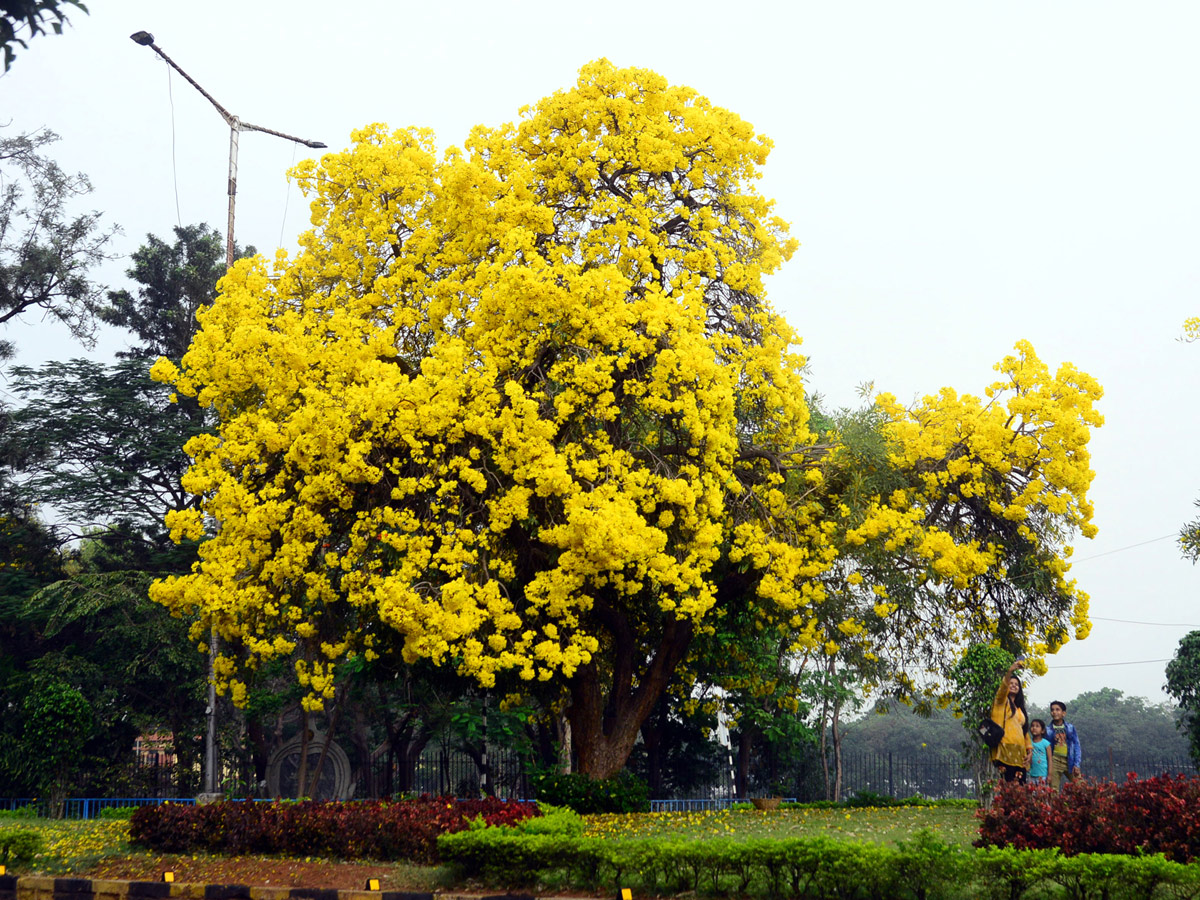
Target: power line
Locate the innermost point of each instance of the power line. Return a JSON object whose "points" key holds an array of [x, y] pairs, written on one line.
{"points": [[1136, 662], [1165, 537], [174, 166], [1135, 622]]}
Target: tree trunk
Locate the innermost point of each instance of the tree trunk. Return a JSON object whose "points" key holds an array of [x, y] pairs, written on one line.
{"points": [[604, 729], [837, 751], [745, 748], [652, 739], [305, 735], [566, 752], [824, 741]]}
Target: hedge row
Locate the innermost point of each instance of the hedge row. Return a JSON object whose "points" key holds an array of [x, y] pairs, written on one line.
{"points": [[1155, 815], [19, 846], [923, 868], [405, 829]]}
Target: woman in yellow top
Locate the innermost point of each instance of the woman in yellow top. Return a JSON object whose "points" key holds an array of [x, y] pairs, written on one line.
{"points": [[1012, 755]]}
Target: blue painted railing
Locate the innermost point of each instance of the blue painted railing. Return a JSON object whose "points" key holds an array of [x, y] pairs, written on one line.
{"points": [[88, 807], [700, 804]]}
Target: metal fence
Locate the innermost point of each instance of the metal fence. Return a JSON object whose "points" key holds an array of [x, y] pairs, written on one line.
{"points": [[944, 776], [444, 772]]}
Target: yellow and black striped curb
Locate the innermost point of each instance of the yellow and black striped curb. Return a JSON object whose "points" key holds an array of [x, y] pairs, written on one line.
{"points": [[33, 887]]}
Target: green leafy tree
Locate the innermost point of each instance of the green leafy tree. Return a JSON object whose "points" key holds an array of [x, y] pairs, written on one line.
{"points": [[47, 252], [1183, 684], [175, 281], [133, 665], [54, 723], [21, 20], [975, 678], [102, 444]]}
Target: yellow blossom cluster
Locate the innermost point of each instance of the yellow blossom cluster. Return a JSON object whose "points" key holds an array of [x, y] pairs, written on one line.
{"points": [[496, 388]]}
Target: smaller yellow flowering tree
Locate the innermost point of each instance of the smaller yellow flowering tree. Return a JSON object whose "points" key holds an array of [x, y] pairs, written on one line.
{"points": [[956, 529]]}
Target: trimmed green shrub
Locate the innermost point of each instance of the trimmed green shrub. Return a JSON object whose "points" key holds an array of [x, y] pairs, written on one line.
{"points": [[19, 846], [922, 868], [117, 812], [23, 812], [623, 793]]}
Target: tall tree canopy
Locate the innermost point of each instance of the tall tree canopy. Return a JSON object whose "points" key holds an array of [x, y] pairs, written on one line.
{"points": [[527, 405], [174, 281]]}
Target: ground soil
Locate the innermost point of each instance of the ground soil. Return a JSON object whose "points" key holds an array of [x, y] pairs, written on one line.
{"points": [[256, 871]]}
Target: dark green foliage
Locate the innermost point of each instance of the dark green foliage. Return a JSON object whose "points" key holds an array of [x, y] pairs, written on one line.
{"points": [[678, 751], [18, 847], [405, 830], [24, 19], [976, 676], [101, 636], [50, 725], [1183, 684], [175, 282], [104, 445], [623, 793]]}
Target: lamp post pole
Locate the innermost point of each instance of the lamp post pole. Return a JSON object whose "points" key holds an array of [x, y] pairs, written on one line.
{"points": [[236, 127]]}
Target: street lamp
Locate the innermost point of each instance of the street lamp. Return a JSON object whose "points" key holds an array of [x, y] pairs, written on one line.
{"points": [[236, 127]]}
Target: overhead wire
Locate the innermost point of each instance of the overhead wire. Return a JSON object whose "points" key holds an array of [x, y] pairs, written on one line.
{"points": [[287, 196], [174, 166]]}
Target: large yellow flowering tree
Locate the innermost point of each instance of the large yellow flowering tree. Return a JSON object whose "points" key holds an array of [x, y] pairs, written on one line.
{"points": [[526, 406]]}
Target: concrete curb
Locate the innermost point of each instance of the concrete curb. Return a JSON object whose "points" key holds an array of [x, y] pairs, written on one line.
{"points": [[34, 887]]}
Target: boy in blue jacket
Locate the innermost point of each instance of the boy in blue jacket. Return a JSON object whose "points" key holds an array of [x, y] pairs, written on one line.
{"points": [[1066, 753]]}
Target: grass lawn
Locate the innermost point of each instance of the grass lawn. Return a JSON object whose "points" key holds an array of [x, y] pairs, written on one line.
{"points": [[102, 847], [884, 825], [71, 846]]}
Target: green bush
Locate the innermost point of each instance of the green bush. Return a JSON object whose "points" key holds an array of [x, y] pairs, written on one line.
{"points": [[922, 868], [623, 793], [24, 812], [553, 820], [117, 812], [19, 846]]}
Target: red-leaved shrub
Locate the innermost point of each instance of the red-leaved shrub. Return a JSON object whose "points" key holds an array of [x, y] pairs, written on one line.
{"points": [[1154, 815], [376, 829]]}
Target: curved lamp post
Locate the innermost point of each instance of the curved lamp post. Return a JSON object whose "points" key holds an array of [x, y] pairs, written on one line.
{"points": [[236, 127]]}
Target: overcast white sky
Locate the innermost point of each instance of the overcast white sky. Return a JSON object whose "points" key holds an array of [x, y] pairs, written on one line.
{"points": [[960, 176]]}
